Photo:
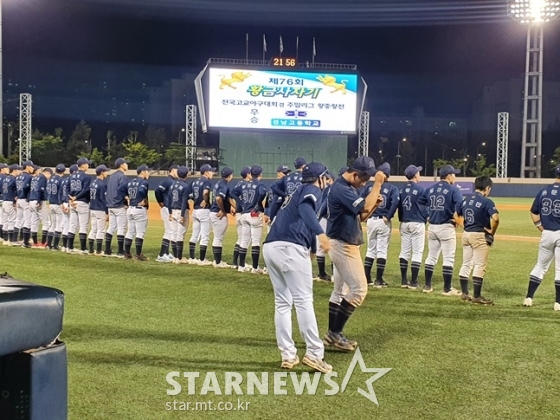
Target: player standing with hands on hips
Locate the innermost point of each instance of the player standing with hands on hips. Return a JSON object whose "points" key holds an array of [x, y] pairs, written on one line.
{"points": [[116, 205], [545, 213], [78, 196], [137, 212], [287, 255], [201, 215], [221, 207], [444, 203], [346, 210]]}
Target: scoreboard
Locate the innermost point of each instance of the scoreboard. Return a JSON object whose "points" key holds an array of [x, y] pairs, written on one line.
{"points": [[284, 97]]}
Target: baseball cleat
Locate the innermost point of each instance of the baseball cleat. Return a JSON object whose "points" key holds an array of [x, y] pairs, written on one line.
{"points": [[528, 302], [176, 261], [481, 300], [414, 286], [427, 289], [37, 246], [264, 271], [7, 243], [127, 256], [122, 256], [169, 257], [98, 254], [183, 261], [257, 270], [141, 257], [193, 261], [245, 269], [465, 297], [325, 278], [234, 267], [222, 264], [26, 246], [85, 252], [163, 259], [204, 262], [108, 254], [63, 249], [55, 248], [339, 341], [290, 363], [451, 292], [556, 306], [380, 284], [405, 285], [317, 364]]}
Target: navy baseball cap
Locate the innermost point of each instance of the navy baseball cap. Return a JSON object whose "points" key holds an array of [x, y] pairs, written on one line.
{"points": [[385, 168], [329, 174], [446, 170], [173, 167], [60, 168], [299, 162], [313, 170], [246, 170], [83, 161], [15, 167], [182, 171], [557, 170], [120, 161], [207, 168], [28, 163], [364, 164], [226, 172], [284, 169], [3, 166], [256, 170], [100, 169], [49, 170], [411, 171], [342, 170], [73, 168], [142, 168]]}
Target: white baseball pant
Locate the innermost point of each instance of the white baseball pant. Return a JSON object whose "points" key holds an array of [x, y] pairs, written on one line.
{"points": [[379, 236], [117, 221], [39, 213], [23, 218], [168, 225], [442, 239], [179, 229], [219, 228], [349, 277], [2, 213], [65, 219], [79, 218], [10, 213], [97, 230], [137, 222], [201, 227], [291, 274], [57, 218], [412, 241], [320, 250], [252, 230], [239, 227], [549, 249]]}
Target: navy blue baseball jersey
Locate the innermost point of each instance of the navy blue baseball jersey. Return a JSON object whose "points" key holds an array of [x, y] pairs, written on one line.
{"points": [[296, 221], [250, 195], [2, 176], [238, 206], [220, 189], [444, 200], [322, 213], [38, 189], [53, 189], [137, 191], [199, 187], [344, 205], [9, 189], [179, 193], [477, 211], [390, 203], [412, 203], [79, 186], [23, 185], [98, 195], [547, 205], [287, 185], [64, 189], [116, 190], [162, 191]]}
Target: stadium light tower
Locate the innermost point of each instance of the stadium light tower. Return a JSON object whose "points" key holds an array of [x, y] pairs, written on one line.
{"points": [[534, 13]]}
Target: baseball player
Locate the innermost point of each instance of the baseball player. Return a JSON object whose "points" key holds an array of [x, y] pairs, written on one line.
{"points": [[9, 197], [288, 184], [162, 197], [480, 222], [545, 213], [3, 172], [116, 204], [287, 255], [322, 216], [379, 228], [98, 210], [246, 177], [346, 209], [178, 209], [65, 205], [137, 212], [56, 214], [444, 202], [39, 207], [219, 211], [201, 215], [413, 215], [274, 202], [23, 184], [78, 196], [251, 195]]}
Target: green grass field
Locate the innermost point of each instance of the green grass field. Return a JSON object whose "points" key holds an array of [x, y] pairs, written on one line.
{"points": [[127, 324]]}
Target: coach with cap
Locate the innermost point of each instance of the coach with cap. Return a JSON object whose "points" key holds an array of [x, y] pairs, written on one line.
{"points": [[116, 205]]}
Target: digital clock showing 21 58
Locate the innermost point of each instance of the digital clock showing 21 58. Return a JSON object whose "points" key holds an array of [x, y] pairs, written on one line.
{"points": [[283, 62]]}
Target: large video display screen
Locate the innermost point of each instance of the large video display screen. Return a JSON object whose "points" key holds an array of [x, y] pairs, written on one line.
{"points": [[282, 100]]}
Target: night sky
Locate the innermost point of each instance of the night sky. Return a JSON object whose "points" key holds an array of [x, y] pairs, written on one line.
{"points": [[430, 53]]}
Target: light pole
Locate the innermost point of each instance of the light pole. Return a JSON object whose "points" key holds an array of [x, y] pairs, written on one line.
{"points": [[534, 13]]}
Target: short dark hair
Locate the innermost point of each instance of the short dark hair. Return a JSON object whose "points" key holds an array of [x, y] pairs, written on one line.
{"points": [[483, 182]]}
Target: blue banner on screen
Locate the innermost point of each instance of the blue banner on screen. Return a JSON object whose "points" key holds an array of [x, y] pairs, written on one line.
{"points": [[466, 188], [280, 100]]}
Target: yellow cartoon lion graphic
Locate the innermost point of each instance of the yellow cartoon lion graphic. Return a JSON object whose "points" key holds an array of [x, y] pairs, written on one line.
{"points": [[236, 77], [330, 81]]}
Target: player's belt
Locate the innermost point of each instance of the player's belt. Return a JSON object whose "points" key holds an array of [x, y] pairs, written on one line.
{"points": [[376, 217], [138, 207]]}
